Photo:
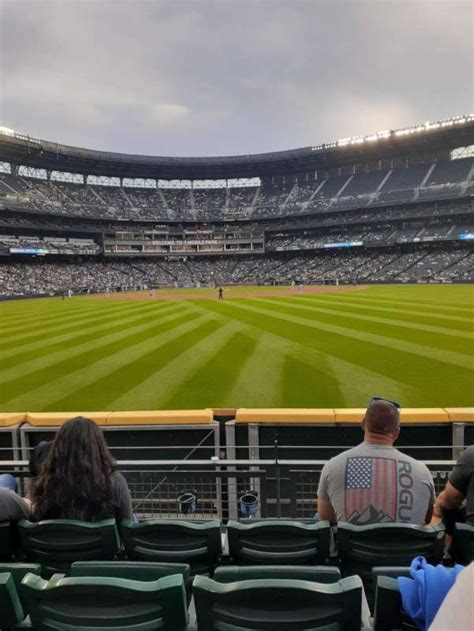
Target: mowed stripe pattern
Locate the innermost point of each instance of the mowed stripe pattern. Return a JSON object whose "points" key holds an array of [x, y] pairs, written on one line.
{"points": [[415, 344]]}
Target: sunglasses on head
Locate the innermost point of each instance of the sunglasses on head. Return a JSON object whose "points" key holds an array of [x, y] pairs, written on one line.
{"points": [[397, 405]]}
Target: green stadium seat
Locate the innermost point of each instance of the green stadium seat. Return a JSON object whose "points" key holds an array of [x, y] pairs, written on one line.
{"points": [[77, 604], [316, 573], [174, 541], [19, 570], [388, 610], [279, 542], [57, 543], [278, 604], [462, 546], [361, 548], [9, 540], [11, 610], [132, 570]]}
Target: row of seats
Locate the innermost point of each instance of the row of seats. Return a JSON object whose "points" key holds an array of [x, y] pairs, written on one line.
{"points": [[170, 553], [150, 596], [137, 596], [57, 543]]}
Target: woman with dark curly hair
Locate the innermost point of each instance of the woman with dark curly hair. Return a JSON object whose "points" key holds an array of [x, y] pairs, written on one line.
{"points": [[77, 479]]}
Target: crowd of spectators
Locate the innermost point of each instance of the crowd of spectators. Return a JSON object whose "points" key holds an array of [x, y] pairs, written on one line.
{"points": [[331, 193], [344, 265]]}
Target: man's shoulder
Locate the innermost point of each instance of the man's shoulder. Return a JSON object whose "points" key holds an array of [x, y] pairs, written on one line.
{"points": [[344, 455], [415, 465]]}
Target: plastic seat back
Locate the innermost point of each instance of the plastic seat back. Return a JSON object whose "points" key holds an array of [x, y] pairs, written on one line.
{"points": [[361, 548], [316, 574], [57, 543], [174, 541], [9, 540], [11, 610], [278, 542], [19, 570], [106, 603], [133, 571], [388, 610], [278, 604], [462, 547]]}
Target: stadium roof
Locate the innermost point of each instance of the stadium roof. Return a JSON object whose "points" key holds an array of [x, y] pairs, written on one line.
{"points": [[438, 136]]}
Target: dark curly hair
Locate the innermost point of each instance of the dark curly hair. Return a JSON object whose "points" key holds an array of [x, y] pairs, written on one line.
{"points": [[76, 478]]}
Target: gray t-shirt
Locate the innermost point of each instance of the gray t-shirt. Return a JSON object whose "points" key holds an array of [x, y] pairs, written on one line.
{"points": [[12, 507], [372, 484], [462, 478]]}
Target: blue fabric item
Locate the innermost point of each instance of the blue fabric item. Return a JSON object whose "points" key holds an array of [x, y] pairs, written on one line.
{"points": [[7, 481], [423, 594]]}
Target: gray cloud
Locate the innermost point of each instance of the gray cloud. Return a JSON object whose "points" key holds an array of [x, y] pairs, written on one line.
{"points": [[203, 77]]}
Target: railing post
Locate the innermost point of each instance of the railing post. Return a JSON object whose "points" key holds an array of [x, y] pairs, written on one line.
{"points": [[458, 439]]}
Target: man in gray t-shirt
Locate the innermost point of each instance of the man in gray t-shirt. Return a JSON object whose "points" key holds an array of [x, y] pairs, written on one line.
{"points": [[374, 482]]}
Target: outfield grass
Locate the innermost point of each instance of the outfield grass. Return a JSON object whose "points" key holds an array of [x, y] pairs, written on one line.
{"points": [[414, 344]]}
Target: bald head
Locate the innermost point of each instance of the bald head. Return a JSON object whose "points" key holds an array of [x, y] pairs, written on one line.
{"points": [[382, 418]]}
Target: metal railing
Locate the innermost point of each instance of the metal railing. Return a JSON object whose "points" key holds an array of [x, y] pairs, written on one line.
{"points": [[283, 488]]}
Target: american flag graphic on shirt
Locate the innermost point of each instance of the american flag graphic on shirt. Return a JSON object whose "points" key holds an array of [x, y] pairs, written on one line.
{"points": [[371, 490]]}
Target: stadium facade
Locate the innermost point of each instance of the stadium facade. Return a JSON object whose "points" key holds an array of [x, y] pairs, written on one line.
{"points": [[394, 206]]}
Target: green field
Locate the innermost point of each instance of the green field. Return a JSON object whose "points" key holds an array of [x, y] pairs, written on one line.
{"points": [[414, 344]]}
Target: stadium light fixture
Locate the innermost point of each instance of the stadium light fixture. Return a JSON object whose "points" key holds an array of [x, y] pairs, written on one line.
{"points": [[6, 131]]}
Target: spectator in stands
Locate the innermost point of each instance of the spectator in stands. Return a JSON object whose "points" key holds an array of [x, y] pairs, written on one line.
{"points": [[77, 479], [374, 482], [12, 506], [38, 456], [459, 487]]}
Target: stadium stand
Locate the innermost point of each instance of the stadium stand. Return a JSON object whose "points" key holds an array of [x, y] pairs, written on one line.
{"points": [[403, 214]]}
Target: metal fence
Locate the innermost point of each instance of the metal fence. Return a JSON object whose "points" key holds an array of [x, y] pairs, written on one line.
{"points": [[207, 489]]}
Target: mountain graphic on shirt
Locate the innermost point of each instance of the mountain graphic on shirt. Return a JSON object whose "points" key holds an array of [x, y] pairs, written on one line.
{"points": [[370, 515]]}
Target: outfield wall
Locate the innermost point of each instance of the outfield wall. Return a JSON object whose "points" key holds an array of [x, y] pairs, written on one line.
{"points": [[244, 433]]}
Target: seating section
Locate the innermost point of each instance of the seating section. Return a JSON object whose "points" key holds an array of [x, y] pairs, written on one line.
{"points": [[278, 604], [214, 204], [275, 581], [174, 541], [56, 544], [278, 542]]}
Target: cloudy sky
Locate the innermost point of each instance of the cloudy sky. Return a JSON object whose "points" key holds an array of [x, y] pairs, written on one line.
{"points": [[217, 77]]}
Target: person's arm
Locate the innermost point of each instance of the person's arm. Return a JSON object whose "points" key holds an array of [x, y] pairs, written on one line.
{"points": [[448, 499], [326, 511]]}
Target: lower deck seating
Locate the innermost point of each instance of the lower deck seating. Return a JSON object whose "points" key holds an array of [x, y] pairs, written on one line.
{"points": [[284, 555]]}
